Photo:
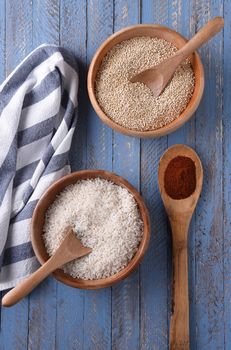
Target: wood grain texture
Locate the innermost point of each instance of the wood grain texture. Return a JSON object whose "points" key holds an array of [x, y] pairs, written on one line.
{"points": [[73, 36], [46, 23], [209, 219], [70, 301], [18, 32], [18, 39], [181, 17], [97, 306], [42, 302], [226, 175], [154, 275], [2, 71], [126, 162], [2, 39], [154, 272], [70, 318]]}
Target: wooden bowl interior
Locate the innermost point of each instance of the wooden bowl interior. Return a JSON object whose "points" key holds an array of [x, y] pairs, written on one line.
{"points": [[39, 218], [152, 31]]}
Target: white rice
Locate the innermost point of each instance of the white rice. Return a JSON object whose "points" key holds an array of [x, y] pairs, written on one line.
{"points": [[105, 218]]}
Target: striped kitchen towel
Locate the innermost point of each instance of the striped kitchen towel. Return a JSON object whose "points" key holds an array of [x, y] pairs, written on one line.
{"points": [[38, 102]]}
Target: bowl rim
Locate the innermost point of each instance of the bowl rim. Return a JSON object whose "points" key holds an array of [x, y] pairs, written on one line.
{"points": [[143, 245], [176, 123]]}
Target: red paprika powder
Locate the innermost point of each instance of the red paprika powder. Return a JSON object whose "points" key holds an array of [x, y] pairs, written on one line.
{"points": [[180, 177]]}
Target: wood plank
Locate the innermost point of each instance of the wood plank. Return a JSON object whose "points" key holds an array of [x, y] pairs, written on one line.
{"points": [[99, 136], [42, 302], [226, 174], [70, 301], [70, 318], [18, 32], [126, 162], [2, 76], [209, 216], [73, 36], [182, 19], [45, 22], [154, 274], [18, 24], [97, 312], [2, 40]]}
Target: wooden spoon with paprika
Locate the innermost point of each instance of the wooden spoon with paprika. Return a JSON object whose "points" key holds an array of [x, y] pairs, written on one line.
{"points": [[180, 178]]}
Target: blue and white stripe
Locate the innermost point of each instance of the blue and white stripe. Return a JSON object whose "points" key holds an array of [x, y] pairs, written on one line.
{"points": [[38, 103]]}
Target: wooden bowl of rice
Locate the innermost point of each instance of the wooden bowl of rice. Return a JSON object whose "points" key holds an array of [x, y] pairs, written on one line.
{"points": [[152, 31], [49, 197]]}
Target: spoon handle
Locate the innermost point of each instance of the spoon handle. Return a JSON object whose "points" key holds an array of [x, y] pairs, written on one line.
{"points": [[210, 29], [29, 283], [179, 325]]}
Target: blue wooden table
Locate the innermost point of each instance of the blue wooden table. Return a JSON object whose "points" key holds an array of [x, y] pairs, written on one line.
{"points": [[135, 313]]}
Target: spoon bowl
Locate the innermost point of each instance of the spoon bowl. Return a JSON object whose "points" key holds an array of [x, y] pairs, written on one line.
{"points": [[187, 205], [180, 212], [157, 77]]}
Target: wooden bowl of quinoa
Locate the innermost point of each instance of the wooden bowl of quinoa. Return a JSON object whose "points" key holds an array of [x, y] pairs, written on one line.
{"points": [[111, 218], [130, 108]]}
